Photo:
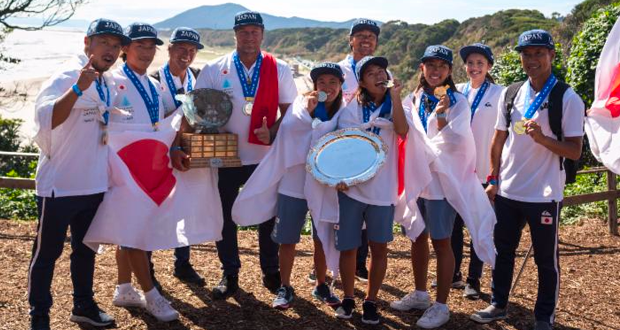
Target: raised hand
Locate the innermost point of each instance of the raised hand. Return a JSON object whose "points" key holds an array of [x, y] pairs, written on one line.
{"points": [[88, 74], [312, 100], [263, 133]]}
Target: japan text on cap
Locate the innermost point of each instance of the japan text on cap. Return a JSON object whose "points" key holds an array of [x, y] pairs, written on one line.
{"points": [[326, 68], [185, 34], [138, 31], [535, 38], [365, 62], [439, 52], [477, 48], [106, 26], [248, 18], [365, 24]]}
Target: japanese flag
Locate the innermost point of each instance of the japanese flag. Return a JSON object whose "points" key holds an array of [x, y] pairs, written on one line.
{"points": [[603, 121], [150, 206]]}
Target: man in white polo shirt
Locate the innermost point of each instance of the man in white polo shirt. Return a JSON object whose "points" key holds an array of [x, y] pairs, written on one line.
{"points": [[259, 86], [71, 112], [537, 126], [177, 77]]}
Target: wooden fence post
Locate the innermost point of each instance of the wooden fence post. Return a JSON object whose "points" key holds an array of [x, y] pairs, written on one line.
{"points": [[612, 206]]}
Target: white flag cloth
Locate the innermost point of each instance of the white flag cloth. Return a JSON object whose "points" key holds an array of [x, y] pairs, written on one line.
{"points": [[150, 206], [257, 201], [603, 120], [454, 163]]}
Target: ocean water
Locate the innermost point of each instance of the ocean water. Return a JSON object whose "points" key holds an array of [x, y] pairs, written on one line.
{"points": [[40, 52]]}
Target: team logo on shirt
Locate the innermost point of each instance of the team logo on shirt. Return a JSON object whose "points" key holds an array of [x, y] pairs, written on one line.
{"points": [[121, 87], [125, 102], [488, 104], [544, 106], [226, 84], [225, 71], [546, 218], [336, 227]]}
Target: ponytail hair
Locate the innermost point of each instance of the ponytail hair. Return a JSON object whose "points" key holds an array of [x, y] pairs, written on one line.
{"points": [[490, 78]]}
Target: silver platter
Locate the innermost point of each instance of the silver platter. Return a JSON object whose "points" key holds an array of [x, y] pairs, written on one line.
{"points": [[348, 155]]}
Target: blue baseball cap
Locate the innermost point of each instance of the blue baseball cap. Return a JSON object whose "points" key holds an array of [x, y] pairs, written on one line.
{"points": [[535, 38], [185, 34], [367, 61], [440, 52], [477, 48], [248, 18], [362, 24], [106, 26], [138, 31], [326, 68]]}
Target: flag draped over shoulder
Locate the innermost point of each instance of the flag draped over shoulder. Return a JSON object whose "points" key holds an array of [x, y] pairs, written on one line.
{"points": [[149, 205], [603, 120]]}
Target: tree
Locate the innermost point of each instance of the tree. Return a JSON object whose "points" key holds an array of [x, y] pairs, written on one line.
{"points": [[51, 12]]}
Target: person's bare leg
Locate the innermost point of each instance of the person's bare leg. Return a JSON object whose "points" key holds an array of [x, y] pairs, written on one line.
{"points": [[419, 261], [320, 265], [347, 271], [140, 267], [287, 259], [123, 266], [378, 267], [445, 268]]}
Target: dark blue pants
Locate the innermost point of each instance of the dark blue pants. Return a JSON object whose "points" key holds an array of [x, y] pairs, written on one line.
{"points": [[56, 214], [543, 221], [230, 180], [475, 264], [181, 258], [362, 251]]}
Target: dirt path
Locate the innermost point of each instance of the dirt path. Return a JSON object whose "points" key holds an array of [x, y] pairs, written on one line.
{"points": [[589, 299]]}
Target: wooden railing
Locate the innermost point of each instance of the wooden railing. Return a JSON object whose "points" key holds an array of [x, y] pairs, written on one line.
{"points": [[611, 195]]}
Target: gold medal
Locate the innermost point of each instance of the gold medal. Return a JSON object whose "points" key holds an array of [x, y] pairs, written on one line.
{"points": [[441, 91], [519, 127], [247, 108]]}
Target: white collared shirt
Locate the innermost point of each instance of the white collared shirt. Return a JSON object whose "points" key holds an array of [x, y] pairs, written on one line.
{"points": [[169, 104], [350, 81], [530, 172], [129, 100], [221, 74], [73, 161]]}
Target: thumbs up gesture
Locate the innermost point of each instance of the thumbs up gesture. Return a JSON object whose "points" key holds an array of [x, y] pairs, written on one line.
{"points": [[263, 133], [88, 74]]}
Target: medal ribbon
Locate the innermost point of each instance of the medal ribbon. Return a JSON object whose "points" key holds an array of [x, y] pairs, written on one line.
{"points": [[172, 87], [478, 98], [249, 85], [321, 112], [104, 98], [151, 103], [353, 64], [386, 109], [532, 108], [426, 98]]}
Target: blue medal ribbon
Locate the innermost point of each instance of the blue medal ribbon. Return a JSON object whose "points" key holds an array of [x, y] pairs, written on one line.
{"points": [[427, 98], [478, 98], [105, 98], [151, 103], [353, 64], [172, 87], [321, 112], [532, 108], [386, 110], [249, 85]]}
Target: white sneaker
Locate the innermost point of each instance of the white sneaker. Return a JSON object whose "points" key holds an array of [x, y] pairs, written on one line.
{"points": [[130, 298], [161, 309], [411, 301], [434, 317]]}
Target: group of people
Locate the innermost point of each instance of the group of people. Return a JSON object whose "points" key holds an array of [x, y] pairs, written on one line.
{"points": [[474, 154]]}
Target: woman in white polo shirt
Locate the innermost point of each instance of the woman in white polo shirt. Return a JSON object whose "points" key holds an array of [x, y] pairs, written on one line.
{"points": [[139, 102]]}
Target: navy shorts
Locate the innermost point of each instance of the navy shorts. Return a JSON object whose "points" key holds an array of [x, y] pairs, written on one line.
{"points": [[439, 217], [290, 219], [379, 222]]}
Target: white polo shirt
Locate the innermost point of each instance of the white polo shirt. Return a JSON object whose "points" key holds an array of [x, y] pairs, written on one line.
{"points": [[166, 96], [130, 101], [483, 125], [350, 81], [73, 160], [221, 74], [530, 172]]}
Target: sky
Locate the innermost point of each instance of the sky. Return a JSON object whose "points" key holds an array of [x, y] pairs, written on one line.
{"points": [[411, 11]]}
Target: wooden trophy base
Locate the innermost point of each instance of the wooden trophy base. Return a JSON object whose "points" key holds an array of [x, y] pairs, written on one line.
{"points": [[211, 150]]}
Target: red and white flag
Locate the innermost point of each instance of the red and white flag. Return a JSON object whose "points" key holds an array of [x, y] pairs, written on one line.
{"points": [[603, 120], [150, 206]]}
